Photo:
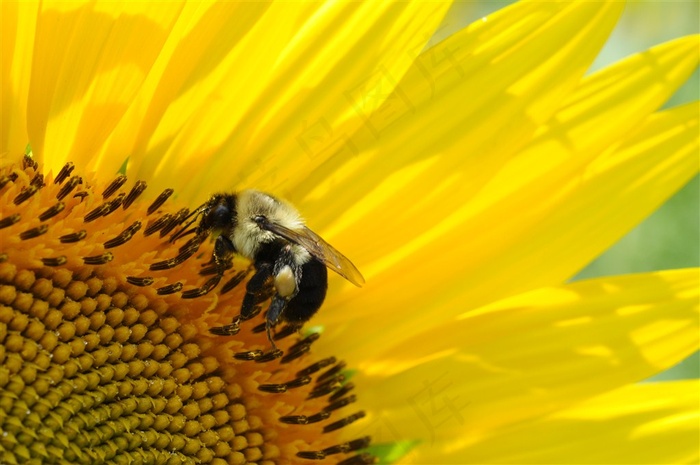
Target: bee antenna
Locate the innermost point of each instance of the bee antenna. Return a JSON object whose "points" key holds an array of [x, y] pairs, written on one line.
{"points": [[192, 217]]}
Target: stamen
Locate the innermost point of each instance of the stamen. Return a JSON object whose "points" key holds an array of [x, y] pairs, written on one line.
{"points": [[227, 330], [298, 382], [157, 224], [9, 221], [176, 220], [52, 211], [269, 356], [311, 369], [350, 446], [303, 419], [327, 387], [190, 218], [99, 259], [96, 212], [273, 388], [34, 232], [64, 173], [37, 180], [311, 455], [204, 290], [215, 268], [341, 392], [344, 422], [185, 252], [124, 236], [55, 261], [29, 162], [169, 289], [68, 188], [73, 237], [340, 366], [114, 186], [134, 194], [296, 354], [141, 282], [25, 194], [235, 281], [340, 403], [249, 355], [192, 244], [287, 330], [160, 200], [259, 328], [12, 177], [114, 204]]}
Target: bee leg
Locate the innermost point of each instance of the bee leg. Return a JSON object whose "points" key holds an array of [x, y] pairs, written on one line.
{"points": [[255, 286], [223, 251], [274, 314]]}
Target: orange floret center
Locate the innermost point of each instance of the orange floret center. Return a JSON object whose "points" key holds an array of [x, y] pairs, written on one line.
{"points": [[105, 348]]}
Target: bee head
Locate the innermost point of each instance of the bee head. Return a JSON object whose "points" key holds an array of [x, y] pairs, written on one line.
{"points": [[218, 214]]}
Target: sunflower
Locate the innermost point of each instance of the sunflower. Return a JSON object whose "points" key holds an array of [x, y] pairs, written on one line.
{"points": [[469, 180]]}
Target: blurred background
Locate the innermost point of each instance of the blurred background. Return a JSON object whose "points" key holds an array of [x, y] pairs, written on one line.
{"points": [[670, 238]]}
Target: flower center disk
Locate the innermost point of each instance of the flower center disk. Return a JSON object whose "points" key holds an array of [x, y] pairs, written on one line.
{"points": [[105, 357]]}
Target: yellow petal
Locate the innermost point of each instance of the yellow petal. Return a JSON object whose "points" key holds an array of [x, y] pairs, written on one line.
{"points": [[455, 117], [298, 66], [542, 236], [16, 63], [533, 354], [649, 423], [89, 60]]}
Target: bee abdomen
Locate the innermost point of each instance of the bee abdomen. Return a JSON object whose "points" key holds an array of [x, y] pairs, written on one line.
{"points": [[312, 292]]}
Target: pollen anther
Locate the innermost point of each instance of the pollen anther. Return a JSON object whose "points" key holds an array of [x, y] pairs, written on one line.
{"points": [[64, 173], [305, 420], [73, 237], [169, 289], [10, 220], [52, 211], [269, 356], [124, 236], [99, 259], [114, 186], [96, 213], [34, 232], [134, 193], [55, 261], [344, 422], [68, 188], [25, 194], [141, 282], [160, 200]]}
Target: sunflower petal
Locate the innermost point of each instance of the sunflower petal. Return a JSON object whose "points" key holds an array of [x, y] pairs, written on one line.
{"points": [[67, 98], [509, 73], [534, 354], [648, 423], [16, 63], [517, 242], [258, 101]]}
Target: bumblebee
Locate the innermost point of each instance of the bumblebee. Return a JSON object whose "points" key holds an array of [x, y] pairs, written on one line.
{"points": [[272, 234]]}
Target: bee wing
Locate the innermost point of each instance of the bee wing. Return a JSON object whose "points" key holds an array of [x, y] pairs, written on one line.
{"points": [[320, 249]]}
